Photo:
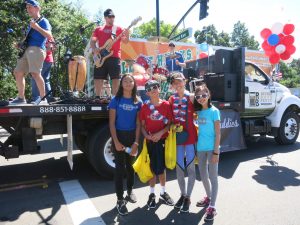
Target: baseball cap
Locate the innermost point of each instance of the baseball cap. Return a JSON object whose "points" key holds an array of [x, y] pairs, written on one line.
{"points": [[108, 12], [32, 2], [151, 83], [171, 44], [177, 76]]}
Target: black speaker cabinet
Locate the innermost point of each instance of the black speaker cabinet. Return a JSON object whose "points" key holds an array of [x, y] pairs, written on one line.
{"points": [[223, 87], [223, 61]]}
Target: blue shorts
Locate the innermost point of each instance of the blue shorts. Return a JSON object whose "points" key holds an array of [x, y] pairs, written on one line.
{"points": [[185, 155], [156, 151]]}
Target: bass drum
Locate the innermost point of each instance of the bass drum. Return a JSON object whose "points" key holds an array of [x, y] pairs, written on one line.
{"points": [[77, 73]]}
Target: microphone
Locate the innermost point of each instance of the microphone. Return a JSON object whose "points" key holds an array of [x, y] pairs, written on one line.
{"points": [[83, 28]]}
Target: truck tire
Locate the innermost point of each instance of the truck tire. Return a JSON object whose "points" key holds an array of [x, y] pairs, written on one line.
{"points": [[99, 152], [289, 129], [80, 141]]}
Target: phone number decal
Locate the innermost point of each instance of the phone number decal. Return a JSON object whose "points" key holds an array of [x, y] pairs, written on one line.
{"points": [[63, 109]]}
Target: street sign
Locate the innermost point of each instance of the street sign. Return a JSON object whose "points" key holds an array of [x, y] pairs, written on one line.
{"points": [[183, 35]]}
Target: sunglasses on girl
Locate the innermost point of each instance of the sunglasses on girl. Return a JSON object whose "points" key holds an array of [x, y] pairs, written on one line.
{"points": [[155, 87], [201, 96]]}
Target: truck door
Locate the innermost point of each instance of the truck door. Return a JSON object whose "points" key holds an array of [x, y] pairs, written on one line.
{"points": [[260, 94]]}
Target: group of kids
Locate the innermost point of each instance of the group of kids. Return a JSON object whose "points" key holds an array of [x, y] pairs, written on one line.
{"points": [[129, 118]]}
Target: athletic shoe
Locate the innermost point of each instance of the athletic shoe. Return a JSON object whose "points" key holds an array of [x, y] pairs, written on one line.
{"points": [[151, 201], [204, 202], [39, 102], [131, 197], [121, 207], [210, 214], [179, 203], [186, 205], [18, 101], [167, 199]]}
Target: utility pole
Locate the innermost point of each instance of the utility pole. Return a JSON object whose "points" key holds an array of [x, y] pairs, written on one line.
{"points": [[157, 19]]}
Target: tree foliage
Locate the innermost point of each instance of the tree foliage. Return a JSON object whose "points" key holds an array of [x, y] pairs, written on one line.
{"points": [[290, 74], [239, 37], [65, 20]]}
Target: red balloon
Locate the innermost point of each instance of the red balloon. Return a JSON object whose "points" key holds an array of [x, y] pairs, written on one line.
{"points": [[290, 49], [274, 58], [288, 28], [288, 40], [281, 37], [270, 51], [265, 33], [265, 46], [203, 55], [286, 55]]}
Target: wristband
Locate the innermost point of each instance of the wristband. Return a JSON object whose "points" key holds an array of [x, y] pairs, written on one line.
{"points": [[216, 153], [135, 143]]}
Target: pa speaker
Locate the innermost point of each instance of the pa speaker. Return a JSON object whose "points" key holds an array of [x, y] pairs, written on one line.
{"points": [[223, 86], [223, 61]]}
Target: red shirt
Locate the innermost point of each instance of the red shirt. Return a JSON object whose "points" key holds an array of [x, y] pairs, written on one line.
{"points": [[49, 55], [191, 129], [152, 125], [103, 34]]}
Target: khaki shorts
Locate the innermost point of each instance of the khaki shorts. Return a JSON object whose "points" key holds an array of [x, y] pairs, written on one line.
{"points": [[32, 60]]}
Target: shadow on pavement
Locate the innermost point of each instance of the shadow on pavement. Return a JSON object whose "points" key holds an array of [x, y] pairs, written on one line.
{"points": [[150, 217], [277, 178]]}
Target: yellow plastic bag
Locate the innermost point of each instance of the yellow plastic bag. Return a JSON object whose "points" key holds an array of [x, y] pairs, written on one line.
{"points": [[170, 149], [142, 165]]}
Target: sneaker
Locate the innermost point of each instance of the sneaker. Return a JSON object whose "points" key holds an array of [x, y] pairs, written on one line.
{"points": [[38, 101], [204, 202], [121, 207], [186, 205], [151, 201], [18, 101], [179, 203], [167, 199], [131, 197], [210, 214]]}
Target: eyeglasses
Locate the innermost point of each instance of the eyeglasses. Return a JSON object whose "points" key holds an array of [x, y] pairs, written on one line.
{"points": [[155, 87], [111, 17], [201, 96]]}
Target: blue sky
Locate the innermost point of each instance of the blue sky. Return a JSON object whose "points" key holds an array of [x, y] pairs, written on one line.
{"points": [[256, 14]]}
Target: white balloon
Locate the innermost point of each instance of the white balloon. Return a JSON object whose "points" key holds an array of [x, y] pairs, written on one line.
{"points": [[288, 60], [277, 28], [280, 48]]}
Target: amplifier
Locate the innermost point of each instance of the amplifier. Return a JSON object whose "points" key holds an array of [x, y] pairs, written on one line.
{"points": [[223, 61], [223, 87]]}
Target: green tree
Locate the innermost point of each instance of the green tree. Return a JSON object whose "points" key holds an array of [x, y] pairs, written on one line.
{"points": [[148, 29], [241, 37], [290, 74], [208, 34]]}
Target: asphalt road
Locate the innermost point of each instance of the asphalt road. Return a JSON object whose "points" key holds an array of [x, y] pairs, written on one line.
{"points": [[257, 186]]}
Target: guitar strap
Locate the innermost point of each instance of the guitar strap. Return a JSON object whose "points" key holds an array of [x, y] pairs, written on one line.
{"points": [[114, 31]]}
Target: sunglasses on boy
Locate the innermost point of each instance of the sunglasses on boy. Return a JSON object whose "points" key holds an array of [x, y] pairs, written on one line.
{"points": [[201, 96], [155, 87]]}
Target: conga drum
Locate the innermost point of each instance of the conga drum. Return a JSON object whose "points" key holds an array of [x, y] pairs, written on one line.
{"points": [[77, 73]]}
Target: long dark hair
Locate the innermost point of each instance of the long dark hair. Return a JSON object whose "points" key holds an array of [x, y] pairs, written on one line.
{"points": [[197, 105], [120, 91]]}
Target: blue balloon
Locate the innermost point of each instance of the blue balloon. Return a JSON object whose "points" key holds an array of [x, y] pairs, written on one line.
{"points": [[204, 47], [9, 30], [273, 39]]}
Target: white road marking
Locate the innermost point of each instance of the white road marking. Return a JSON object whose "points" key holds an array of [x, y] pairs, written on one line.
{"points": [[80, 207]]}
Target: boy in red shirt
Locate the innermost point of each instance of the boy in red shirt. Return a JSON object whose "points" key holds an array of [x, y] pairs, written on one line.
{"points": [[156, 116]]}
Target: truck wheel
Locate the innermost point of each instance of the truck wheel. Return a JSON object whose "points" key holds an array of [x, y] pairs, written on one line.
{"points": [[80, 141], [99, 152], [289, 129]]}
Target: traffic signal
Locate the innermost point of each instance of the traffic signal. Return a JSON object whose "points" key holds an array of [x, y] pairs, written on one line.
{"points": [[203, 9]]}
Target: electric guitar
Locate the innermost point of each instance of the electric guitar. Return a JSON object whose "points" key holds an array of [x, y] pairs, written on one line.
{"points": [[105, 50], [22, 46]]}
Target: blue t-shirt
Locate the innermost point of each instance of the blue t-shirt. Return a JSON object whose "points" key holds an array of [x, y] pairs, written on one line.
{"points": [[171, 63], [35, 38], [126, 112], [206, 132]]}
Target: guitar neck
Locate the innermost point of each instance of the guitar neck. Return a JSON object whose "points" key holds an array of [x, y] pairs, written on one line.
{"points": [[120, 35]]}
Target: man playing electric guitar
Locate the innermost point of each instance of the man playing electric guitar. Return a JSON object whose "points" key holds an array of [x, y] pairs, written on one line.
{"points": [[174, 61], [32, 59], [111, 65]]}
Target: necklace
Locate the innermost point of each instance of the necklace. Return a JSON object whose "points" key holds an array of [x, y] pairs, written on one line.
{"points": [[155, 114], [180, 112]]}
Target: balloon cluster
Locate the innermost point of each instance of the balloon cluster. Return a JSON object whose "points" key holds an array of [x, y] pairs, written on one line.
{"points": [[278, 42]]}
